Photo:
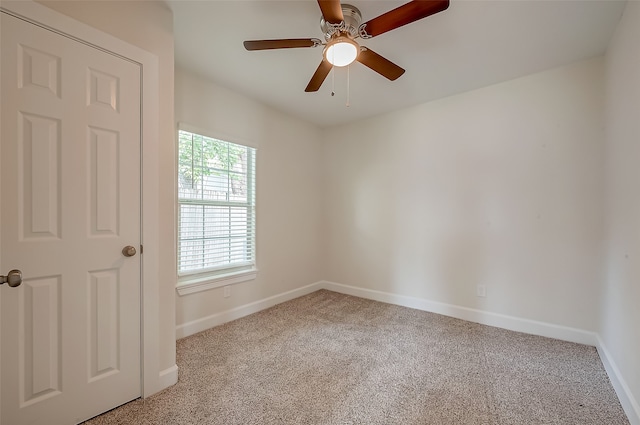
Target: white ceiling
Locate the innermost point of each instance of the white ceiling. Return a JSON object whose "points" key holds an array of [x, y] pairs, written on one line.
{"points": [[472, 44]]}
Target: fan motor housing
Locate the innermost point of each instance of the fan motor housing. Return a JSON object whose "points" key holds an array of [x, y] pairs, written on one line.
{"points": [[349, 27]]}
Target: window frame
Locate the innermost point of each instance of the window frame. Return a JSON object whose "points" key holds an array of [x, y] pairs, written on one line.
{"points": [[193, 281]]}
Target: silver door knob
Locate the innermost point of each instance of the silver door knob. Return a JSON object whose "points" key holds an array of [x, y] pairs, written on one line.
{"points": [[13, 278], [128, 251]]}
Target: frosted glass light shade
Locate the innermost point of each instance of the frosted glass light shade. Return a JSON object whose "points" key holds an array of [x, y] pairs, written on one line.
{"points": [[342, 52]]}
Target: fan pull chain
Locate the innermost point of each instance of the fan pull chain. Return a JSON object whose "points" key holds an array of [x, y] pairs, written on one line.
{"points": [[333, 81], [348, 85], [333, 73]]}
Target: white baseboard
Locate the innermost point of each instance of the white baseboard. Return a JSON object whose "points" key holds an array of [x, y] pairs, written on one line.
{"points": [[168, 377], [205, 323], [629, 403], [473, 315]]}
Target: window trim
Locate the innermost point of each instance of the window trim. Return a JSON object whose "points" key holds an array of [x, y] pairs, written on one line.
{"points": [[198, 282], [190, 282]]}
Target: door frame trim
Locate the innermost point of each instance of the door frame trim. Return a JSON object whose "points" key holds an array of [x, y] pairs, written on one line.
{"points": [[152, 378]]}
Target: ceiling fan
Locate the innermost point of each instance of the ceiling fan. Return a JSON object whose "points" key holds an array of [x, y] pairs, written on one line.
{"points": [[341, 25]]}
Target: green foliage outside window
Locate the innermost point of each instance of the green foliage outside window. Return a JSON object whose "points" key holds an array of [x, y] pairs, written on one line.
{"points": [[200, 156]]}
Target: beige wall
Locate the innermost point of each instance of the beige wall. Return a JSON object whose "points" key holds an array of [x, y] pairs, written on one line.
{"points": [[288, 202], [149, 26], [620, 322], [500, 186]]}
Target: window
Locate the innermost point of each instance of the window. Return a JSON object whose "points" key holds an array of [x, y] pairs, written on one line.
{"points": [[216, 218]]}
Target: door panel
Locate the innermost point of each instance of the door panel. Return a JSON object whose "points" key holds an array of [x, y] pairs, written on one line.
{"points": [[70, 190], [39, 349], [39, 161]]}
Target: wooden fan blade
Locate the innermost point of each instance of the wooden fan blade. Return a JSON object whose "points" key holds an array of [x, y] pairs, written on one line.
{"points": [[382, 66], [286, 43], [403, 15], [331, 11], [319, 76]]}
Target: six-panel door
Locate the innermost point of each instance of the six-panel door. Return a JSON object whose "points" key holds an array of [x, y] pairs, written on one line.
{"points": [[70, 201]]}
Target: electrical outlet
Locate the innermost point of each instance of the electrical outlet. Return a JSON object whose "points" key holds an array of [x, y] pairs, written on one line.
{"points": [[227, 291], [481, 291]]}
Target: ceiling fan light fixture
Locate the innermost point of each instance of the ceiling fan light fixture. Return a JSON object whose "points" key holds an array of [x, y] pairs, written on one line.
{"points": [[341, 52], [341, 24]]}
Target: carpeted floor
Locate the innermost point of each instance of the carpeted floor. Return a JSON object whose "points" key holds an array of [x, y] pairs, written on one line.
{"points": [[328, 358]]}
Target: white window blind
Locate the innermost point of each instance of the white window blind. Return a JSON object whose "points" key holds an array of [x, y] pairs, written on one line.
{"points": [[216, 197]]}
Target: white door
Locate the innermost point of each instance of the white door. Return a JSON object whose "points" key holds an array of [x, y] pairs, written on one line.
{"points": [[69, 204]]}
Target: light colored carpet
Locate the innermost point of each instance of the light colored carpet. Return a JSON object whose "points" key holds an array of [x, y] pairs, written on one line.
{"points": [[328, 358]]}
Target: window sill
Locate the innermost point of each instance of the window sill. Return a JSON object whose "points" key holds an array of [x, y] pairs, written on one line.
{"points": [[192, 285]]}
